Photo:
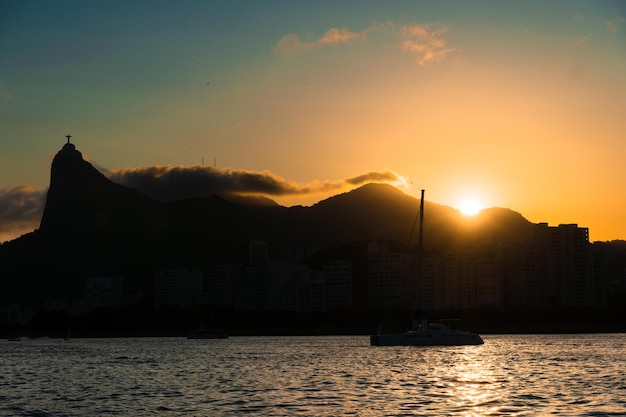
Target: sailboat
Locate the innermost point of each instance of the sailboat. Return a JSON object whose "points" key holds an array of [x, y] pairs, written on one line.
{"points": [[425, 333]]}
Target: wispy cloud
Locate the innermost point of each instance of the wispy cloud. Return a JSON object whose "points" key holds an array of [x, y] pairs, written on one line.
{"points": [[21, 208], [292, 44], [169, 183], [335, 36], [427, 44]]}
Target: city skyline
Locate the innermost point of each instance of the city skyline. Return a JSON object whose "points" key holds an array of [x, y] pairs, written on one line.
{"points": [[512, 105]]}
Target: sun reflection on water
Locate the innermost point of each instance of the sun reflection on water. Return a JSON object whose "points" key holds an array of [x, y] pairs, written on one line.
{"points": [[470, 383], [510, 375]]}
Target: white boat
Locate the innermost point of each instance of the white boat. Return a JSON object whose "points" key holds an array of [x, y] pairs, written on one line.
{"points": [[427, 334]]}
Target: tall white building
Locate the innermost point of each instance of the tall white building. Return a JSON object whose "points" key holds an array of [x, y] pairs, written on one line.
{"points": [[558, 269]]}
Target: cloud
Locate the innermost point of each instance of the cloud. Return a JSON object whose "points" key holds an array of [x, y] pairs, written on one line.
{"points": [[170, 183], [335, 36], [21, 208], [429, 45], [383, 176], [292, 44]]}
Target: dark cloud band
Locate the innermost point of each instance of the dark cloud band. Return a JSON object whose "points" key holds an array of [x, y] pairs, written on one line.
{"points": [[21, 207], [168, 183]]}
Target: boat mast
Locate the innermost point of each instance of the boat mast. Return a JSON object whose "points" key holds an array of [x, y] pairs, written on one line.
{"points": [[420, 242], [420, 260]]}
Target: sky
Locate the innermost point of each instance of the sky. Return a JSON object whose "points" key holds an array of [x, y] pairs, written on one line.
{"points": [[514, 104]]}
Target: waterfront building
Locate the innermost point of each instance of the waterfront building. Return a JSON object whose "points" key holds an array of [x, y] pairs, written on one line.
{"points": [[181, 287]]}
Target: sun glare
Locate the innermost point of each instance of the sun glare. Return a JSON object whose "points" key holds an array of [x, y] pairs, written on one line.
{"points": [[470, 207]]}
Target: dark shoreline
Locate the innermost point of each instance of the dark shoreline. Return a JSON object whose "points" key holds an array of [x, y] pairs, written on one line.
{"points": [[146, 322], [485, 331]]}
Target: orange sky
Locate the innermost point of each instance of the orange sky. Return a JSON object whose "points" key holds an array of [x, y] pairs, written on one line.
{"points": [[515, 106]]}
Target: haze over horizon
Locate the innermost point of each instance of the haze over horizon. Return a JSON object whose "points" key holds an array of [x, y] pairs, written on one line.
{"points": [[513, 104]]}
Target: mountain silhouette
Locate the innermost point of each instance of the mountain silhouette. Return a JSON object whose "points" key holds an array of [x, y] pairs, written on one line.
{"points": [[93, 226], [82, 204], [381, 211]]}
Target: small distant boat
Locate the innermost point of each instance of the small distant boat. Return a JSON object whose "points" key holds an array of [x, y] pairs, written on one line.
{"points": [[427, 334], [206, 334]]}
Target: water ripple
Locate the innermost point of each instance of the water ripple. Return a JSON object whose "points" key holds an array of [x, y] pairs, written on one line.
{"points": [[578, 375]]}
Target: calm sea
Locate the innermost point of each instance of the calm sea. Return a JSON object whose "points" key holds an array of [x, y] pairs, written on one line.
{"points": [[576, 375]]}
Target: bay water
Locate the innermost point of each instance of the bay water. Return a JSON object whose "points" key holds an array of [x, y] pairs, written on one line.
{"points": [[510, 375]]}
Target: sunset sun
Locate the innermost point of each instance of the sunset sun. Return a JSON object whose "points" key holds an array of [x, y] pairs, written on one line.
{"points": [[470, 207]]}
